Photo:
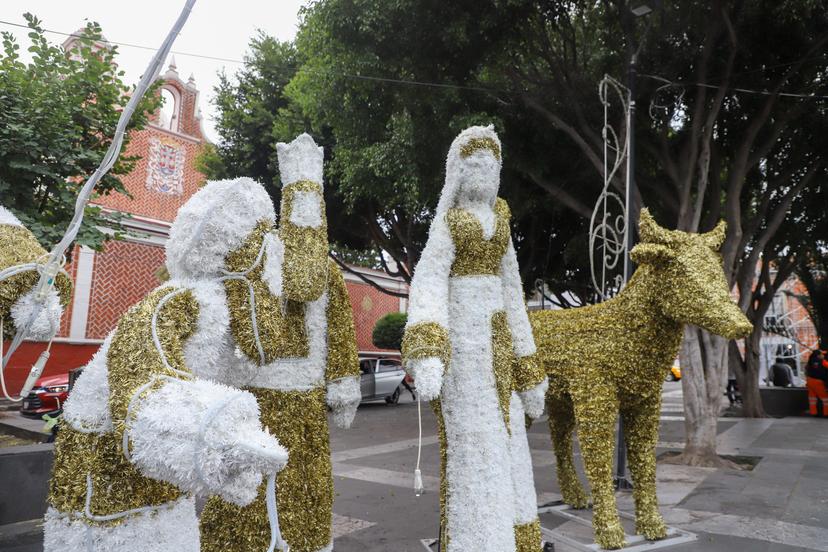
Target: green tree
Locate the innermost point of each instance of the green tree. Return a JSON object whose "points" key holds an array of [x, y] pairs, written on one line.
{"points": [[812, 263], [389, 85], [705, 151], [388, 331], [58, 114], [254, 113], [814, 276], [366, 85]]}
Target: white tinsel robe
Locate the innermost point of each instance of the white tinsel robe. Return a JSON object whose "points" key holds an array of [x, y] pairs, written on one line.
{"points": [[468, 344]]}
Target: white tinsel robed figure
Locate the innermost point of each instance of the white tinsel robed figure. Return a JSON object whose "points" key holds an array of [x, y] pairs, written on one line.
{"points": [[155, 418], [469, 346]]}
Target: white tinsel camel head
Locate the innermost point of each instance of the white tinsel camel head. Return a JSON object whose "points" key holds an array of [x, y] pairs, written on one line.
{"points": [[301, 159], [472, 167], [213, 222]]}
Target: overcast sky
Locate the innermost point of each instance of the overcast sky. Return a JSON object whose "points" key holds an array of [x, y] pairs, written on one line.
{"points": [[217, 28]]}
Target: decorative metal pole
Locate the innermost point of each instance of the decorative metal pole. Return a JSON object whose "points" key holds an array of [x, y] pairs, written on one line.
{"points": [[608, 224], [610, 237], [622, 482]]}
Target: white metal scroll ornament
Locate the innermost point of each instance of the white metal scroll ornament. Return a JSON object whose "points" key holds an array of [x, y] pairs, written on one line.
{"points": [[608, 225]]}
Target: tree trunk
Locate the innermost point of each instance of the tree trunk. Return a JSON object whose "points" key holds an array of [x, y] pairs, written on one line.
{"points": [[703, 369], [749, 386]]}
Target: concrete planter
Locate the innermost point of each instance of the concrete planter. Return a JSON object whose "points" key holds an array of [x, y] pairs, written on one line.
{"points": [[784, 401], [24, 478]]}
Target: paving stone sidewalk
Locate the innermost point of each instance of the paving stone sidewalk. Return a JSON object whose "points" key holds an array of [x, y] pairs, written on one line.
{"points": [[780, 506]]}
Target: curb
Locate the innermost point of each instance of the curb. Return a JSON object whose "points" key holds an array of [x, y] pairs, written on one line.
{"points": [[22, 432], [22, 533]]}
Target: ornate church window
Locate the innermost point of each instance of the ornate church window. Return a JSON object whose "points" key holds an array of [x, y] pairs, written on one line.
{"points": [[168, 116]]}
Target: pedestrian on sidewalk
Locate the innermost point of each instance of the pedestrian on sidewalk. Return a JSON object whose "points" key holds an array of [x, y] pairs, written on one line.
{"points": [[817, 366], [732, 390], [781, 373], [406, 382], [816, 373]]}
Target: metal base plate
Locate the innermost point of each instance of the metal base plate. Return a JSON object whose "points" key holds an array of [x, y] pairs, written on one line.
{"points": [[579, 522], [431, 545]]}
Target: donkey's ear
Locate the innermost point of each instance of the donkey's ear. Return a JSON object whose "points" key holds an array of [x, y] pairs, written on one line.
{"points": [[651, 253], [716, 237], [650, 231]]}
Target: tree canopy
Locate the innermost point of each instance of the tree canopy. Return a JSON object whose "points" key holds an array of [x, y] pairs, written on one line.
{"points": [[730, 99], [58, 114]]}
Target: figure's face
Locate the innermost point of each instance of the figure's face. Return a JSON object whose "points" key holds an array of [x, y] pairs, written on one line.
{"points": [[479, 176]]}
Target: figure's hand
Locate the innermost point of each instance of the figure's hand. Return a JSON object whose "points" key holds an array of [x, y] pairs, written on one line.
{"points": [[255, 455], [46, 322], [205, 438], [534, 399], [428, 376], [344, 396]]}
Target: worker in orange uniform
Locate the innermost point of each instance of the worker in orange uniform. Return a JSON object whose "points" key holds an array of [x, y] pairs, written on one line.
{"points": [[817, 382]]}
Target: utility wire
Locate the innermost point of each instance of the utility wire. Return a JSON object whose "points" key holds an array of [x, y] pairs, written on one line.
{"points": [[446, 85], [76, 35], [240, 62], [736, 89]]}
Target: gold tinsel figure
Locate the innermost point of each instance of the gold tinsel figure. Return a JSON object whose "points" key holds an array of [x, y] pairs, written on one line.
{"points": [[19, 252], [612, 357], [299, 358], [147, 427]]}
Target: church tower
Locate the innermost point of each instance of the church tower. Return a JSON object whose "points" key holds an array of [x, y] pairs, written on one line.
{"points": [[108, 282]]}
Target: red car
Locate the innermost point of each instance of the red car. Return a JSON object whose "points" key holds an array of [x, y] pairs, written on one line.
{"points": [[47, 396]]}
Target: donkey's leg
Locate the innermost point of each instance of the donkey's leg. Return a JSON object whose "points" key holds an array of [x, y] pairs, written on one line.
{"points": [[561, 426], [641, 433], [595, 411]]}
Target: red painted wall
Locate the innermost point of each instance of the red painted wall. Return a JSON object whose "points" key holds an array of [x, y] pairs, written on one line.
{"points": [[369, 305], [64, 357]]}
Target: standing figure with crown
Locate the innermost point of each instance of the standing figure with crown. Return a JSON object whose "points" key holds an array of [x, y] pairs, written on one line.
{"points": [[297, 355], [468, 329]]}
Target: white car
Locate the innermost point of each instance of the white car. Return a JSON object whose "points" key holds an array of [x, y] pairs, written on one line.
{"points": [[381, 378]]}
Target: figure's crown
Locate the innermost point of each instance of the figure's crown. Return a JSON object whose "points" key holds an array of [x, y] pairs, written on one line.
{"points": [[300, 160]]}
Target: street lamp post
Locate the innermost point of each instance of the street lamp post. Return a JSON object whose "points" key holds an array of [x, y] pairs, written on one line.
{"points": [[621, 479]]}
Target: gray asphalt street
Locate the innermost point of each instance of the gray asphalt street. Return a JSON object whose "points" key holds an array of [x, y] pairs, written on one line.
{"points": [[779, 506]]}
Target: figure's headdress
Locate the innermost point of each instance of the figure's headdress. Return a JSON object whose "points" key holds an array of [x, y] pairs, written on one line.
{"points": [[213, 222], [467, 143]]}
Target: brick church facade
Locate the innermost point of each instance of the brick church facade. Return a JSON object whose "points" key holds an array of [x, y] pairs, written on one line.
{"points": [[108, 282]]}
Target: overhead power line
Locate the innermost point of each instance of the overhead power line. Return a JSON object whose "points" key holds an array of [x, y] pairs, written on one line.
{"points": [[127, 44], [407, 82], [736, 89]]}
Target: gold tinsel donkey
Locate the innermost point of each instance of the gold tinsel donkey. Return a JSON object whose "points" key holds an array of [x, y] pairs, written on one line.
{"points": [[297, 356], [612, 357]]}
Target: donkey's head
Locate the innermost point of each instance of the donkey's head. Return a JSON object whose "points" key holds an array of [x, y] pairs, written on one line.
{"points": [[689, 284]]}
